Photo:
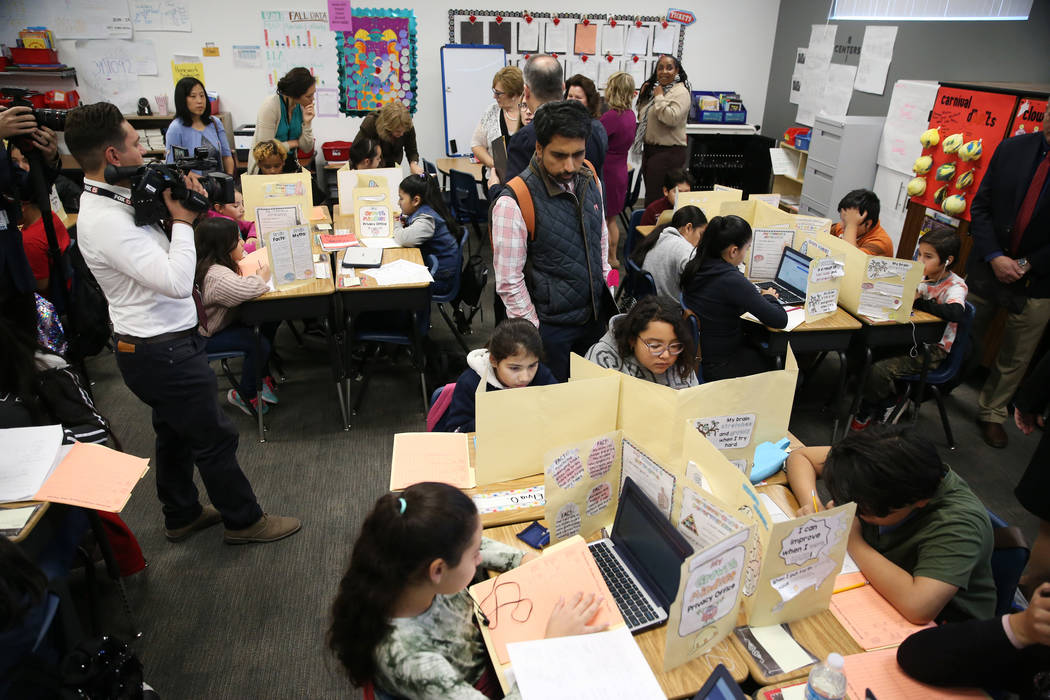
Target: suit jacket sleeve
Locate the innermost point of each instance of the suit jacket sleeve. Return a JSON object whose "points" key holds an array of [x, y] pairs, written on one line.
{"points": [[982, 215], [519, 152]]}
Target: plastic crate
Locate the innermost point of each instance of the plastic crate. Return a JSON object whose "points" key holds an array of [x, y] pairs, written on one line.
{"points": [[802, 141], [34, 57], [335, 151]]}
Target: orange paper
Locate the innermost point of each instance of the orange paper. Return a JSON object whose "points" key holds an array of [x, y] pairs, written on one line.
{"points": [[93, 476], [878, 670], [319, 213], [586, 38], [440, 457], [870, 619], [249, 264], [853, 580], [567, 569]]}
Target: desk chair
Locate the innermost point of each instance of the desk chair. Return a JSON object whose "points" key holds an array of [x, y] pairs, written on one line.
{"points": [[466, 205], [630, 268], [430, 169], [634, 188], [1009, 559], [453, 293], [694, 330], [405, 335], [638, 283], [223, 358], [632, 232], [937, 378]]}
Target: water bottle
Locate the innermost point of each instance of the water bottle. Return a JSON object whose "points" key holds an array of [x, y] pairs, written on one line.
{"points": [[826, 680]]}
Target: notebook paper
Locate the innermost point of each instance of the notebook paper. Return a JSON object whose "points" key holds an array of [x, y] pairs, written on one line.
{"points": [[878, 670], [93, 476], [870, 619], [440, 457]]}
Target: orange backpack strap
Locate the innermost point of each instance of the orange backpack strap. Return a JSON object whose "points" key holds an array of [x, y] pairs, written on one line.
{"points": [[524, 199], [593, 171]]}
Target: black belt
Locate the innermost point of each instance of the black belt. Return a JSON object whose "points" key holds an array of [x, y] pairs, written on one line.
{"points": [[162, 338]]}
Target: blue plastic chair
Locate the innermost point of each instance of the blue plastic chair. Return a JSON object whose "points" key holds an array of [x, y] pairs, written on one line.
{"points": [[945, 373], [393, 331], [453, 294], [1009, 559], [638, 283], [634, 188], [632, 232], [465, 203]]}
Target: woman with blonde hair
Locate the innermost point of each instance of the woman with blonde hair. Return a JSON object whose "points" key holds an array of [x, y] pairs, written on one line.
{"points": [[503, 117], [392, 126], [619, 123]]}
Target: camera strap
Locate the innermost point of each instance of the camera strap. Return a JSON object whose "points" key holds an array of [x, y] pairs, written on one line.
{"points": [[107, 193]]}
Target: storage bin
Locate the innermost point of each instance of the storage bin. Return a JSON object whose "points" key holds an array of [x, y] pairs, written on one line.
{"points": [[34, 57], [336, 151]]}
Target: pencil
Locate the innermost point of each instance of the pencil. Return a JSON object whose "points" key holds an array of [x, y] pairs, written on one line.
{"points": [[816, 505], [849, 588]]}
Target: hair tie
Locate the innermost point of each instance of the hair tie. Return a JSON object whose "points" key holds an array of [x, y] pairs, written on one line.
{"points": [[422, 176], [403, 504]]}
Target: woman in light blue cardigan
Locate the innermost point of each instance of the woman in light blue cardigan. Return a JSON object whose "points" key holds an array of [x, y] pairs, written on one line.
{"points": [[194, 126]]}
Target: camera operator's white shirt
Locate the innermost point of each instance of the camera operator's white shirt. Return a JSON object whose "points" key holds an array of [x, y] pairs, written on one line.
{"points": [[147, 280]]}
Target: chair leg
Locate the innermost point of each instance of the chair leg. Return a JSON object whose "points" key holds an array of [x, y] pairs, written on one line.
{"points": [[228, 373], [452, 326], [944, 417]]}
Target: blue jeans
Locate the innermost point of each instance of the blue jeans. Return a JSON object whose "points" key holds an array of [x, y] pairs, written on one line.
{"points": [[242, 338]]}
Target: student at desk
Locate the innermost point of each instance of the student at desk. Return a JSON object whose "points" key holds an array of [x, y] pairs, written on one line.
{"points": [[429, 227], [651, 342], [942, 293], [366, 154], [403, 619], [665, 252], [860, 226], [921, 537], [511, 360], [718, 293], [675, 181]]}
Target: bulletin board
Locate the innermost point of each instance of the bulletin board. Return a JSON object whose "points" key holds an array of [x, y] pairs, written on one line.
{"points": [[377, 63], [593, 45]]}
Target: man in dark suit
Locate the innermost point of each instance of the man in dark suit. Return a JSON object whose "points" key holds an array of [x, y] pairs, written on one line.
{"points": [[1009, 267], [544, 83]]}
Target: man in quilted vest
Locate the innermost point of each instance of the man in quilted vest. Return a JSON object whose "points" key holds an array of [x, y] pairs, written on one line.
{"points": [[554, 275]]}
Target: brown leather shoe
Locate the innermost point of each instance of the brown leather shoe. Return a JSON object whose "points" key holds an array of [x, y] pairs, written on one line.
{"points": [[268, 528], [993, 434], [209, 516]]}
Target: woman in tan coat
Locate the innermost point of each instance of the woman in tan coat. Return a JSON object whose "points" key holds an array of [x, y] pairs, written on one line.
{"points": [[663, 108]]}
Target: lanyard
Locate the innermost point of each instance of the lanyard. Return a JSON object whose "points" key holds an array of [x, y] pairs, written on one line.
{"points": [[107, 193]]}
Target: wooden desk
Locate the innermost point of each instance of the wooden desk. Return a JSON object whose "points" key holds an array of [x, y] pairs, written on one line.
{"points": [[34, 519], [644, 230], [829, 334], [464, 165], [820, 634], [682, 682], [69, 221], [311, 298], [923, 330]]}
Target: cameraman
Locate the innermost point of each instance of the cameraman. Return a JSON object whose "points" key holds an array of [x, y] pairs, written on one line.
{"points": [[148, 281], [19, 123]]}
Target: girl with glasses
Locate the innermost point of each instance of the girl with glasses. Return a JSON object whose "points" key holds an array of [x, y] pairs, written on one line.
{"points": [[652, 342]]}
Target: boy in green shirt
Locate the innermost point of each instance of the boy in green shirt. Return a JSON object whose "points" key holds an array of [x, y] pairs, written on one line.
{"points": [[921, 537]]}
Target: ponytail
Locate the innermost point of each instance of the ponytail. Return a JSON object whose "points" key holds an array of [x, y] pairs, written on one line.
{"points": [[429, 192], [721, 232], [688, 214], [399, 540]]}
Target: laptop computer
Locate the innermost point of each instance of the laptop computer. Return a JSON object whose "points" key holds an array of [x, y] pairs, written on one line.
{"points": [[720, 686], [791, 279], [641, 560]]}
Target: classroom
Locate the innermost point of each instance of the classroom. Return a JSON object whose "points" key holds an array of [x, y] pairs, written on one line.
{"points": [[766, 279]]}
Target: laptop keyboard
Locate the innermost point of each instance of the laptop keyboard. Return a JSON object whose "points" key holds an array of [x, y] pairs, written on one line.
{"points": [[636, 610], [784, 296]]}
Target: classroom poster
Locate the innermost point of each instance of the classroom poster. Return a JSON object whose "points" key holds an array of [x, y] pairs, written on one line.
{"points": [[109, 73], [292, 38], [581, 485], [372, 213], [767, 246], [377, 62]]}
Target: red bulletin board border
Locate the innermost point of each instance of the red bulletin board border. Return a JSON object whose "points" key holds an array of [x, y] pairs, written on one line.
{"points": [[1028, 118], [977, 115]]}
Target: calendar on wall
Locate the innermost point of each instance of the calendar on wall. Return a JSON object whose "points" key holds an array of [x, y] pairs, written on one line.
{"points": [[592, 45]]}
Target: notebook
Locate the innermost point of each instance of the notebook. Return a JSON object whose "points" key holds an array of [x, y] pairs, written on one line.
{"points": [[791, 278], [642, 559]]}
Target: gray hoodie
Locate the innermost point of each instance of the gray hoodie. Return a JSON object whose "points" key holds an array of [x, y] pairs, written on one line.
{"points": [[604, 353]]}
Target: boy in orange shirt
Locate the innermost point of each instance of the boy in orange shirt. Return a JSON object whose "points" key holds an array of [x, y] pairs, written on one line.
{"points": [[860, 227]]}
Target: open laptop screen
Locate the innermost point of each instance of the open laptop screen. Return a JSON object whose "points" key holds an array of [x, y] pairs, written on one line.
{"points": [[794, 270], [643, 532]]}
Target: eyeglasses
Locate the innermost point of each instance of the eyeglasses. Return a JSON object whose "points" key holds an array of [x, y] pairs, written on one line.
{"points": [[659, 348], [498, 93], [524, 107]]}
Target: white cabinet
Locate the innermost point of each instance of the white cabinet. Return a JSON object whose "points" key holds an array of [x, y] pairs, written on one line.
{"points": [[891, 187], [841, 158]]}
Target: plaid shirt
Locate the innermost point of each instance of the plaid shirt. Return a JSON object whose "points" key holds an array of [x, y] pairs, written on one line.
{"points": [[510, 247]]}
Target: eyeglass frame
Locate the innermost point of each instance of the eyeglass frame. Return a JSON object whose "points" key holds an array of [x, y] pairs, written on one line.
{"points": [[669, 347]]}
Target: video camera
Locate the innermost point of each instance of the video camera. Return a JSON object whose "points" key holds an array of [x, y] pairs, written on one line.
{"points": [[150, 180], [52, 118]]}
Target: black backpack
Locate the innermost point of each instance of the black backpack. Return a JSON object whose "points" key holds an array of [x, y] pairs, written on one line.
{"points": [[87, 315]]}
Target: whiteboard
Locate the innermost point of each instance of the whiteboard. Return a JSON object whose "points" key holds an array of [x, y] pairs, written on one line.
{"points": [[466, 78]]}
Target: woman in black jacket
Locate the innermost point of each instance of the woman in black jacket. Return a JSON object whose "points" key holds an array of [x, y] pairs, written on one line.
{"points": [[718, 293]]}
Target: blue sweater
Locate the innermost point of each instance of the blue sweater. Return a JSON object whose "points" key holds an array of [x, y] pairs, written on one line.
{"points": [[459, 417]]}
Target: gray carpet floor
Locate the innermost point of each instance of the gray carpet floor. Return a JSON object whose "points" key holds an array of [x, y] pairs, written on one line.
{"points": [[249, 622]]}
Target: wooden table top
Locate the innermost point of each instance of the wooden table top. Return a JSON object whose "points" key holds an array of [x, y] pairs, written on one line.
{"points": [[820, 634], [840, 320], [465, 165], [389, 255], [644, 230], [302, 288], [33, 519], [682, 682], [916, 317]]}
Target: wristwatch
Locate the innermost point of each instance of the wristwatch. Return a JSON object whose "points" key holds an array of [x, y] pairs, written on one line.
{"points": [[1023, 263]]}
